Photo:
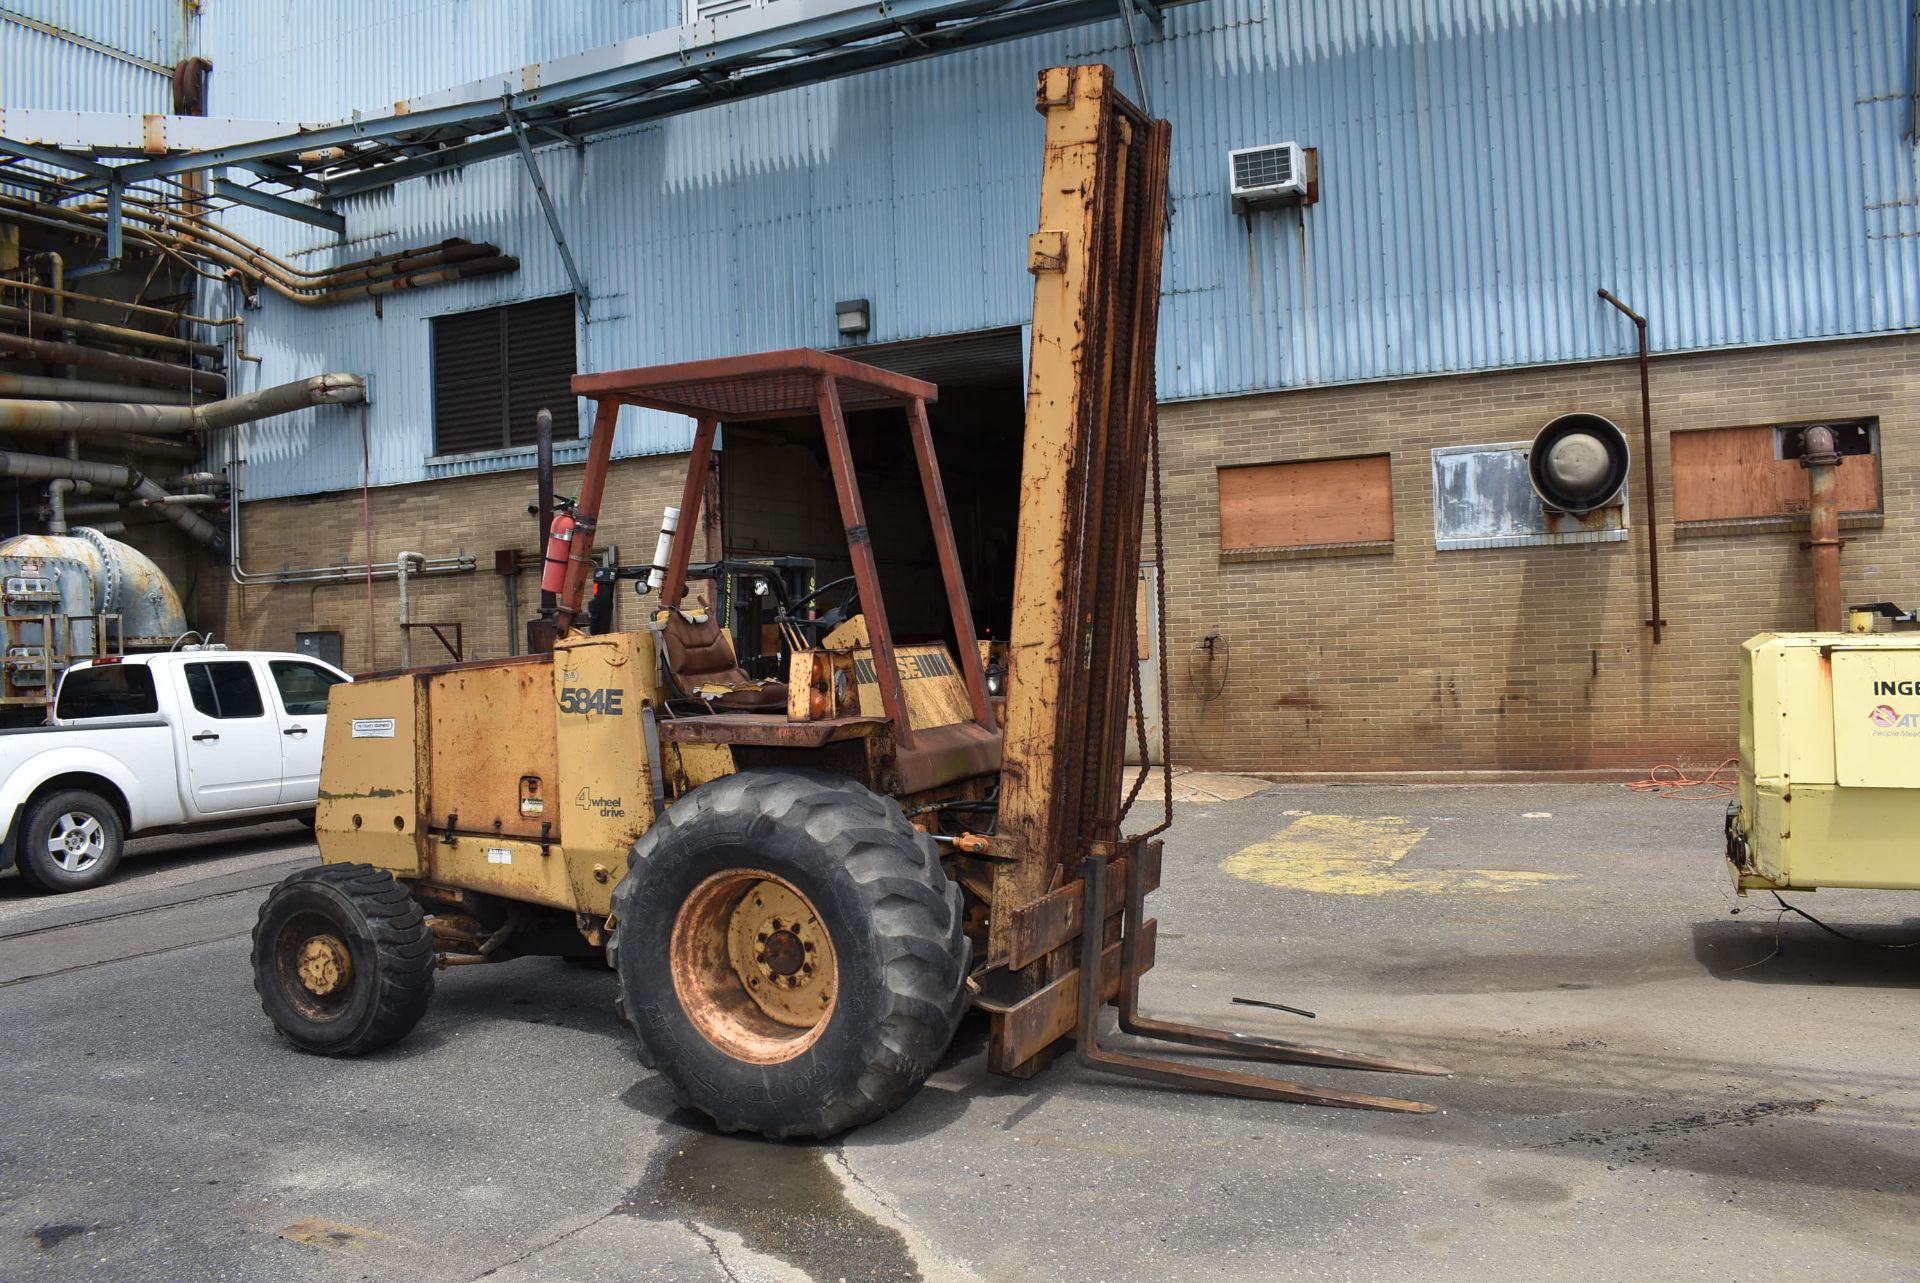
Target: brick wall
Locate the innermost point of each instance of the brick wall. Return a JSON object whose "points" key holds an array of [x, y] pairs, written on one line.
{"points": [[439, 518], [1512, 658]]}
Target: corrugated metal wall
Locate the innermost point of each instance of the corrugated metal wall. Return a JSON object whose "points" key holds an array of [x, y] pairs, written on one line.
{"points": [[1735, 168], [40, 69]]}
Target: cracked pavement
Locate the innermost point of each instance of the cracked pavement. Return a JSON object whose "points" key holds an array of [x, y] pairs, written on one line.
{"points": [[1645, 1085]]}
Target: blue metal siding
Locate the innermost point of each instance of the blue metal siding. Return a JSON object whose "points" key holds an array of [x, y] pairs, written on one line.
{"points": [[1734, 168], [38, 69]]}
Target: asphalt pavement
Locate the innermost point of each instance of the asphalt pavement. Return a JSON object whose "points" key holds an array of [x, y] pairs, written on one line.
{"points": [[1645, 1085]]}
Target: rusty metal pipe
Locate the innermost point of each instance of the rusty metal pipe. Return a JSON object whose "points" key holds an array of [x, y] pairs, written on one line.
{"points": [[1646, 463], [209, 243], [120, 304], [392, 285], [116, 333], [35, 386], [1821, 459], [134, 367]]}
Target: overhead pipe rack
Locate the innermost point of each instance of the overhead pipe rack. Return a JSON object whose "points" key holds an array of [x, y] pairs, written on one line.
{"points": [[565, 100]]}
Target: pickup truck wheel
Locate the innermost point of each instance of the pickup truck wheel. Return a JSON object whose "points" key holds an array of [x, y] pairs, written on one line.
{"points": [[342, 959], [70, 841]]}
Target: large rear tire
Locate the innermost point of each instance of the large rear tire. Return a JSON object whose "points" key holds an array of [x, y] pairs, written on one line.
{"points": [[790, 952], [342, 959]]}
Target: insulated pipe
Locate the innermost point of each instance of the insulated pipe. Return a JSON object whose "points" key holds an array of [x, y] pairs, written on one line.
{"points": [[134, 367], [200, 479], [113, 476], [57, 491], [406, 613], [187, 500], [1821, 459], [80, 511], [34, 385], [178, 450], [97, 417]]}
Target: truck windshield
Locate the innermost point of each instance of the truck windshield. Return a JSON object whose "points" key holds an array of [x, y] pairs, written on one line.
{"points": [[112, 690]]}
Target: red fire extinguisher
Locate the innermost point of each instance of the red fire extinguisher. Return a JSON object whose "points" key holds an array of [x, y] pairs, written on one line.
{"points": [[553, 569]]}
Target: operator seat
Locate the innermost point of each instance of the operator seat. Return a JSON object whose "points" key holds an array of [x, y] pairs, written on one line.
{"points": [[700, 658]]}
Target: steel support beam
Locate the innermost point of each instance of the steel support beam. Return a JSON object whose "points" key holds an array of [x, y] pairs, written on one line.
{"points": [[116, 247], [241, 194], [553, 216], [51, 155], [735, 56]]}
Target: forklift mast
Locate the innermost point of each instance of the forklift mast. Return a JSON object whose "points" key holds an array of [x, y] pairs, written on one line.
{"points": [[1090, 415]]}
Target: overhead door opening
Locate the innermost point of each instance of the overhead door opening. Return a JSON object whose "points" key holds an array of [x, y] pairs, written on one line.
{"points": [[777, 496]]}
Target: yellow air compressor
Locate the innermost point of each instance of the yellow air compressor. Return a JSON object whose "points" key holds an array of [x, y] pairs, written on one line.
{"points": [[1829, 760]]}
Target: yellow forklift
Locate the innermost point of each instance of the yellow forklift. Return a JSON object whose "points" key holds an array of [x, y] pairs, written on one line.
{"points": [[802, 893]]}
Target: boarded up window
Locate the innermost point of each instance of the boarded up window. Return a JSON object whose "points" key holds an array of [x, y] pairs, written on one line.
{"points": [[1298, 505], [493, 370], [1731, 474]]}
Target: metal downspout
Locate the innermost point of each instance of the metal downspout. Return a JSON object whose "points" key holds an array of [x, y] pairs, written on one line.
{"points": [[1646, 463]]}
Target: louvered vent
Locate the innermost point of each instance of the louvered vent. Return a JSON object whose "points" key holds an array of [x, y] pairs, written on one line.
{"points": [[495, 369], [1270, 175]]}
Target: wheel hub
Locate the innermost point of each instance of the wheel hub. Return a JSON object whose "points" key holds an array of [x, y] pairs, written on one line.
{"points": [[325, 966], [774, 942], [754, 966], [76, 842]]}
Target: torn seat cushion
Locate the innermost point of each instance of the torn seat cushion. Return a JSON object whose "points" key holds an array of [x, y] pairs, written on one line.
{"points": [[699, 655]]}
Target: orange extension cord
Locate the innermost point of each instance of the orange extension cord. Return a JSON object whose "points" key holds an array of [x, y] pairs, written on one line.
{"points": [[1676, 785]]}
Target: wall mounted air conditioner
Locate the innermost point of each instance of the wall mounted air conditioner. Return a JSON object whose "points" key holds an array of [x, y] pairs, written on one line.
{"points": [[1272, 175]]}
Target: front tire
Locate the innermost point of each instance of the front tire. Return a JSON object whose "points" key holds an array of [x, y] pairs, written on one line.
{"points": [[70, 841], [342, 959], [790, 953]]}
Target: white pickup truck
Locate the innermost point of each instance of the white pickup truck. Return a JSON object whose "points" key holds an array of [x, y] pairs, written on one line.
{"points": [[148, 742]]}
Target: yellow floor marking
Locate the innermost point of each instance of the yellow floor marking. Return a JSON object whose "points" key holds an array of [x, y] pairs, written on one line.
{"points": [[1347, 855], [333, 1234]]}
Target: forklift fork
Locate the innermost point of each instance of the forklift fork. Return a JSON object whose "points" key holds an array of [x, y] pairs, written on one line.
{"points": [[1093, 879]]}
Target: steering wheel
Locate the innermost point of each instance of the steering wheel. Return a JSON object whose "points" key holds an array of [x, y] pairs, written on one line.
{"points": [[848, 590]]}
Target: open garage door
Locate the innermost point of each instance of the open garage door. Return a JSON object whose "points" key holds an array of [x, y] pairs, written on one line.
{"points": [[778, 499]]}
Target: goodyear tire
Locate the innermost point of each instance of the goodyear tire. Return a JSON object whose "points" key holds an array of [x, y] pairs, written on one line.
{"points": [[342, 959], [789, 952], [69, 841]]}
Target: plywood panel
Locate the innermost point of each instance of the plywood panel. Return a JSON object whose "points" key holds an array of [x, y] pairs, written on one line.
{"points": [[1727, 473], [1318, 501]]}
